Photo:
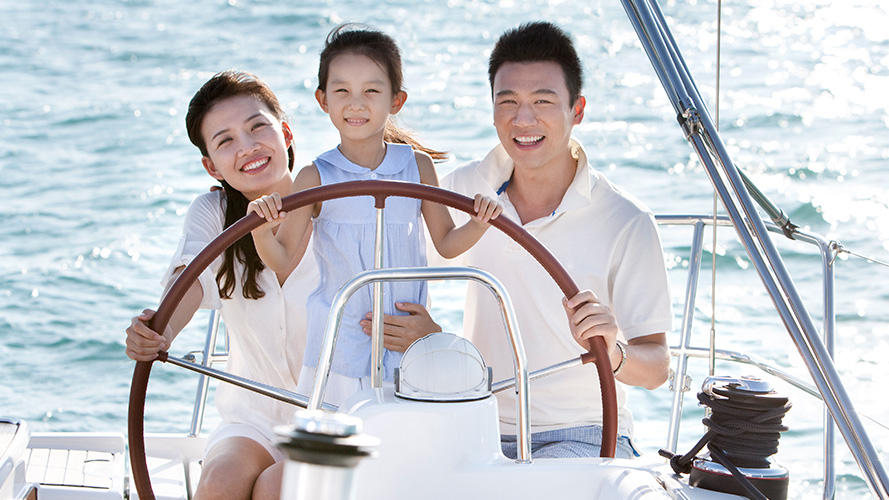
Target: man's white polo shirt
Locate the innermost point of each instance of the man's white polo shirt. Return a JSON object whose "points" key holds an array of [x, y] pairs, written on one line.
{"points": [[608, 242]]}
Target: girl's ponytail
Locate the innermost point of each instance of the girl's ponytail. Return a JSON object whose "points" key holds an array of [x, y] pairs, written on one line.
{"points": [[397, 135]]}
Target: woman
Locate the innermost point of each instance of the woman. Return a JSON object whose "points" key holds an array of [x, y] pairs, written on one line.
{"points": [[236, 122]]}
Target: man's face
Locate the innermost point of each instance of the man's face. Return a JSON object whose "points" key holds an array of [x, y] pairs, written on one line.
{"points": [[533, 113]]}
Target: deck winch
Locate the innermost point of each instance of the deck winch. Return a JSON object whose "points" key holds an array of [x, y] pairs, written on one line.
{"points": [[744, 425]]}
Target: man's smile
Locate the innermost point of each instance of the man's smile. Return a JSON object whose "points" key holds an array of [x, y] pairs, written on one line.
{"points": [[528, 140]]}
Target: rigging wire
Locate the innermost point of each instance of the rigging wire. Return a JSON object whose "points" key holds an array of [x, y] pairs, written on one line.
{"points": [[715, 198], [872, 260]]}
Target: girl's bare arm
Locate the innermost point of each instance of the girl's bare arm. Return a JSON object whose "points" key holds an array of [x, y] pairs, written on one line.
{"points": [[450, 240], [278, 249]]}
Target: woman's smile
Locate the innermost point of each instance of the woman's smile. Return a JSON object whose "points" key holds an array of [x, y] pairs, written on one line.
{"points": [[255, 164]]}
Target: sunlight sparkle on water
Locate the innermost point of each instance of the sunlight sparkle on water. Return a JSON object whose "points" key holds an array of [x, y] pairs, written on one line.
{"points": [[804, 110]]}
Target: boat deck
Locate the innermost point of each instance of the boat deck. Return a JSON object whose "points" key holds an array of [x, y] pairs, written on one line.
{"points": [[93, 465], [85, 465]]}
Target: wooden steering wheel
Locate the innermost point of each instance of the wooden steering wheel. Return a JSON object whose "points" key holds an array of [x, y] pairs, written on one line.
{"points": [[380, 190]]}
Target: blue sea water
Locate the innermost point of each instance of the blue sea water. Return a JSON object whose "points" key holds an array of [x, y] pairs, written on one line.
{"points": [[96, 171]]}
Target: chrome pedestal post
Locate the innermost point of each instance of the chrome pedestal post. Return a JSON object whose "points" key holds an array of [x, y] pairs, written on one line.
{"points": [[323, 449]]}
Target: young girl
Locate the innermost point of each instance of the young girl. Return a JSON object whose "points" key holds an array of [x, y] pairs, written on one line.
{"points": [[359, 86], [238, 125]]}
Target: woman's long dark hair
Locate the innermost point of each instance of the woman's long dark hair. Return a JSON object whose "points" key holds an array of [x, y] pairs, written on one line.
{"points": [[352, 38], [224, 85]]}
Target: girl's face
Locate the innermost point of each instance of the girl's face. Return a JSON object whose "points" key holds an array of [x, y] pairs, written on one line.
{"points": [[247, 146], [358, 97]]}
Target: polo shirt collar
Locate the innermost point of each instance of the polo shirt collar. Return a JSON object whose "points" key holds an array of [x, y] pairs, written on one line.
{"points": [[497, 167]]}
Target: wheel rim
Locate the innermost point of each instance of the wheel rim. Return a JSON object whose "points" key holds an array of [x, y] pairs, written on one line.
{"points": [[380, 190]]}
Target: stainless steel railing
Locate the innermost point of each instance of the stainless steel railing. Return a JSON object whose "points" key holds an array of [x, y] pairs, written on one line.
{"points": [[433, 273], [209, 356], [685, 349], [694, 118]]}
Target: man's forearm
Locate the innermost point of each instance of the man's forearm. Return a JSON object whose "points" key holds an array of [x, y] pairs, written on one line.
{"points": [[648, 362]]}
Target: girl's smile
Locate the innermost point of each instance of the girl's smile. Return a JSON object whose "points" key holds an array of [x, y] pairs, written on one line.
{"points": [[359, 99]]}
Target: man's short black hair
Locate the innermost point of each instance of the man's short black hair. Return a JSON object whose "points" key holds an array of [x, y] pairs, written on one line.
{"points": [[539, 42]]}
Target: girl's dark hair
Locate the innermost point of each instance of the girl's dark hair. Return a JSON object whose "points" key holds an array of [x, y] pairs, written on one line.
{"points": [[352, 38], [224, 85]]}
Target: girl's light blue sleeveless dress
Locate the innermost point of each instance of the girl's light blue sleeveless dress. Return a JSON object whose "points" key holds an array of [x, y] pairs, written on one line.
{"points": [[344, 234]]}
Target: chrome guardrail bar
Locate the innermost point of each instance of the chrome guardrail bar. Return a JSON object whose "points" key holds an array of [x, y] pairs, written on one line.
{"points": [[828, 251], [209, 357], [432, 273], [668, 64]]}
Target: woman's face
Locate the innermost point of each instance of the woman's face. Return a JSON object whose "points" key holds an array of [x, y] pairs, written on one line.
{"points": [[247, 146]]}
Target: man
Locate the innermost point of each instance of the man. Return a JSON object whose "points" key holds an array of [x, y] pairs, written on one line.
{"points": [[607, 241]]}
